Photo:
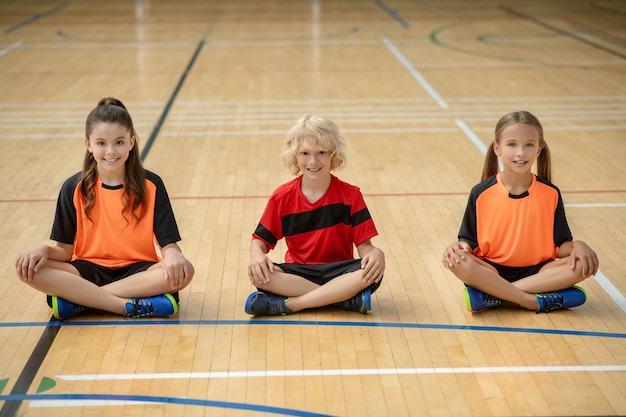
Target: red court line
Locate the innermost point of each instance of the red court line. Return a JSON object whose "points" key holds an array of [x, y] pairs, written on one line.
{"points": [[248, 197], [591, 29]]}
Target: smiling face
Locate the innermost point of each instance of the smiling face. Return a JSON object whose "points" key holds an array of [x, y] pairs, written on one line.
{"points": [[518, 148], [110, 144], [313, 160]]}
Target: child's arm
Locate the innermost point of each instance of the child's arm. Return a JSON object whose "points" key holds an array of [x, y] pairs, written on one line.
{"points": [[260, 267], [579, 251], [372, 261], [176, 268], [32, 260]]}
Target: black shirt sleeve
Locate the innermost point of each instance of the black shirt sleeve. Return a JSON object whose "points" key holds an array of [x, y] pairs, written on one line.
{"points": [[165, 227], [64, 225]]}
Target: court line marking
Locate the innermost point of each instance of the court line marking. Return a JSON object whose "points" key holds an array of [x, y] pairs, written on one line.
{"points": [[604, 282], [392, 13], [415, 73], [267, 322], [616, 99], [36, 17], [10, 48], [64, 399], [471, 136], [343, 372], [251, 197], [611, 289], [562, 32]]}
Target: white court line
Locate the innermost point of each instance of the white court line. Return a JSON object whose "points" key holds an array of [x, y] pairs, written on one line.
{"points": [[10, 48], [471, 135], [343, 372], [415, 73], [611, 290], [604, 282]]}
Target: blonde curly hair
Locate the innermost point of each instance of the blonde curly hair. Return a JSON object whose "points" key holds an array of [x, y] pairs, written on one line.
{"points": [[323, 133]]}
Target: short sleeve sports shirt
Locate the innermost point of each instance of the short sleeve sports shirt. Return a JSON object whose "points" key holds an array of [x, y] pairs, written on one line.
{"points": [[112, 240], [320, 232], [515, 230]]}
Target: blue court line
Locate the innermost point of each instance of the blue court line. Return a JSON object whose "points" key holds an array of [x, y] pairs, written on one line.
{"points": [[164, 400], [36, 17], [392, 13], [254, 322]]}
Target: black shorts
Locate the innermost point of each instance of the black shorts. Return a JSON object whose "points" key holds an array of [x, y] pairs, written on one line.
{"points": [[321, 274], [514, 273], [102, 275]]}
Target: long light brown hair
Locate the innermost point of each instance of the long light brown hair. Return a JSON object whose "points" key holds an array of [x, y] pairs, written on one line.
{"points": [[544, 169], [112, 110]]}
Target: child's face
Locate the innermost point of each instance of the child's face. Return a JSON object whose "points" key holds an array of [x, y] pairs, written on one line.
{"points": [[110, 144], [313, 161], [518, 148]]}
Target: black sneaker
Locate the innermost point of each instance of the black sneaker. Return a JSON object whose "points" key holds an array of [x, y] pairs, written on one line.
{"points": [[162, 305], [362, 302], [263, 304], [63, 309]]}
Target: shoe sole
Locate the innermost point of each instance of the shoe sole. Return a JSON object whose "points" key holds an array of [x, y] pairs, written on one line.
{"points": [[468, 302], [55, 308], [173, 301], [249, 300], [367, 301]]}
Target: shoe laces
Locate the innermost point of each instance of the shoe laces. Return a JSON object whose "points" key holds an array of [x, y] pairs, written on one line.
{"points": [[489, 299], [275, 305], [551, 302], [141, 308]]}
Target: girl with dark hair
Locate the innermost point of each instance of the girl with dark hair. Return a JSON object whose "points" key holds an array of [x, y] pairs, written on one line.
{"points": [[109, 220]]}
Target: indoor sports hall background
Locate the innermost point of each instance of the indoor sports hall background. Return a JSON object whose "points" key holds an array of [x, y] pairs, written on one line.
{"points": [[416, 88]]}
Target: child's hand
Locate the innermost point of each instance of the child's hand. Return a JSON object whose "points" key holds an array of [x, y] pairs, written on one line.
{"points": [[31, 261], [260, 269], [177, 269], [454, 253], [586, 256], [373, 265]]}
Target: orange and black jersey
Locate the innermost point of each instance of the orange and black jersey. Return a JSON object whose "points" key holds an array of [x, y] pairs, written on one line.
{"points": [[111, 239], [515, 230]]}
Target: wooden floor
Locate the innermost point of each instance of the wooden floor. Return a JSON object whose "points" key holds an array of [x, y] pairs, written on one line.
{"points": [[416, 87]]}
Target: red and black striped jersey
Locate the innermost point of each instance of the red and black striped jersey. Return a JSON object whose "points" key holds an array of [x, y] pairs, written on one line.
{"points": [[320, 232]]}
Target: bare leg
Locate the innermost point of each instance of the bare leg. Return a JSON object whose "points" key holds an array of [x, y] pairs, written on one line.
{"points": [[61, 281], [552, 277], [304, 294], [142, 284]]}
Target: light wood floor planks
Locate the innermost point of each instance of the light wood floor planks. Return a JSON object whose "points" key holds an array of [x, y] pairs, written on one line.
{"points": [[416, 88]]}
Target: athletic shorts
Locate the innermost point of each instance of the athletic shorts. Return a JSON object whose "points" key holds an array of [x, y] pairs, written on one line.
{"points": [[321, 274], [102, 275], [514, 273]]}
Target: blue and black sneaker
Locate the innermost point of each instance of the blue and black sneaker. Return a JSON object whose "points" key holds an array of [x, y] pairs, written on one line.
{"points": [[362, 302], [560, 300], [162, 305], [477, 301], [63, 309], [266, 304]]}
